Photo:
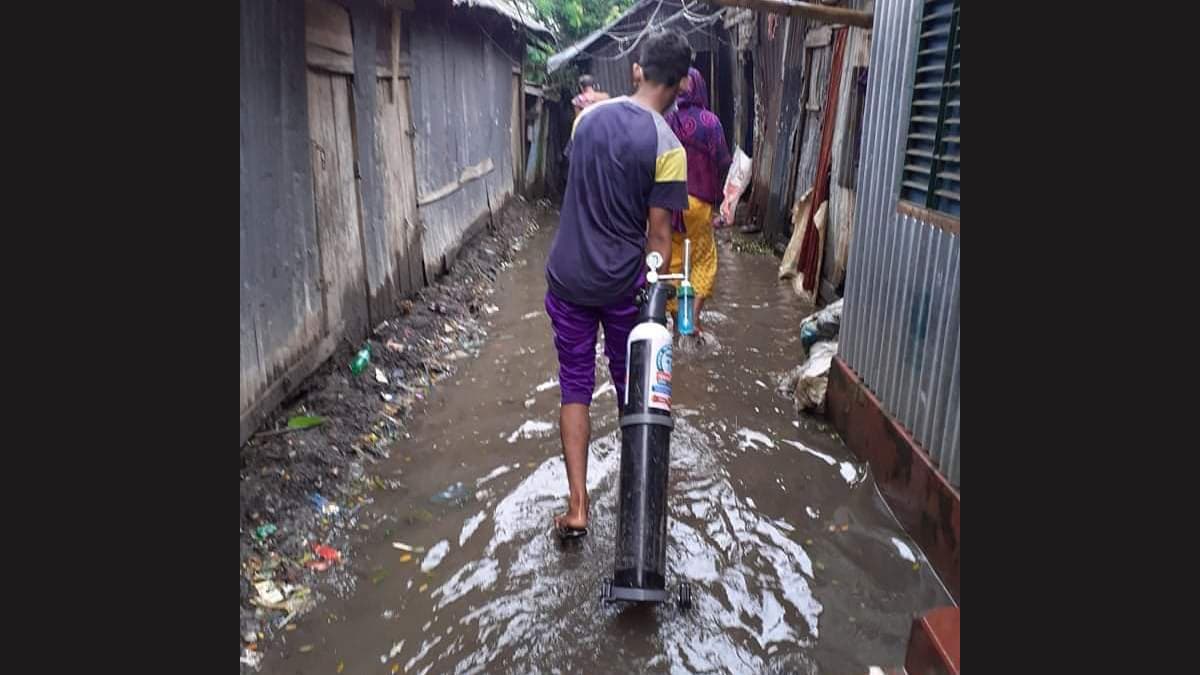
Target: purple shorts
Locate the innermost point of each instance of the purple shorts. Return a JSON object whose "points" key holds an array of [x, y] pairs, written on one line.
{"points": [[575, 339]]}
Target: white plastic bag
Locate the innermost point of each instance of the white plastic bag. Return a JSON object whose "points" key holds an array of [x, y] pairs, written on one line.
{"points": [[735, 183], [813, 378], [821, 326]]}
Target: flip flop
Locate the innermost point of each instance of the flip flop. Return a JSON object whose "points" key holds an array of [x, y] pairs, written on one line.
{"points": [[567, 533]]}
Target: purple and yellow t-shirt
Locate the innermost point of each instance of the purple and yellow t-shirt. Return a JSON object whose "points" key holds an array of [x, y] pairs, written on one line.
{"points": [[624, 160]]}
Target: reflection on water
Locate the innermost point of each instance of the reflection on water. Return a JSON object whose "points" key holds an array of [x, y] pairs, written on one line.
{"points": [[527, 599], [795, 563]]}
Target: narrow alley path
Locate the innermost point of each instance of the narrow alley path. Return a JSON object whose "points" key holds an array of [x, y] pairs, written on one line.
{"points": [[795, 562]]}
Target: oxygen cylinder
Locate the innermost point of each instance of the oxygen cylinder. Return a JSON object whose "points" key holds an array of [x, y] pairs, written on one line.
{"points": [[641, 546]]}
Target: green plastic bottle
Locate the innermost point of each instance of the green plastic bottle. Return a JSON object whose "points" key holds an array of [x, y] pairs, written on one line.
{"points": [[361, 359]]}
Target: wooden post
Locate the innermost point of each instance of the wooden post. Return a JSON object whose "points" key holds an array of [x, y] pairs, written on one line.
{"points": [[395, 53], [839, 15]]}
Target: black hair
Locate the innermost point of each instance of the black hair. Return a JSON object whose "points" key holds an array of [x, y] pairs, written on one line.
{"points": [[665, 57], [586, 81]]}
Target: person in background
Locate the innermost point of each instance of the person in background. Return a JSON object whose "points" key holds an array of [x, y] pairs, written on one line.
{"points": [[586, 97], [627, 175], [587, 94], [708, 160]]}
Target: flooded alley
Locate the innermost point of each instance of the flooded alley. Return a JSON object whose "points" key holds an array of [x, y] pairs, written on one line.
{"points": [[796, 563]]}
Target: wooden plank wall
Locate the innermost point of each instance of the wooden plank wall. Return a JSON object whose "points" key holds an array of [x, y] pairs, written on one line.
{"points": [[281, 306], [366, 21], [343, 282], [461, 100], [331, 233], [401, 268], [394, 153]]}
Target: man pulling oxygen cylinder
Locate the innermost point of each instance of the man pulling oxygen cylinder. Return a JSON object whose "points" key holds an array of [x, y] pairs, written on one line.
{"points": [[639, 570], [627, 169]]}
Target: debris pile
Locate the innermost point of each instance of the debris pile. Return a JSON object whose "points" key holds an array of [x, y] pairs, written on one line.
{"points": [[806, 383], [822, 326], [304, 476]]}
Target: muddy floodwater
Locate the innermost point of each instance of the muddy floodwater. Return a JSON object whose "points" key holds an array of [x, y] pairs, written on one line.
{"points": [[795, 562]]}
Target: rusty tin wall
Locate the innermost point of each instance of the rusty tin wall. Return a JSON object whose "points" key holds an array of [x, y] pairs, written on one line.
{"points": [[900, 329], [839, 226], [784, 73]]}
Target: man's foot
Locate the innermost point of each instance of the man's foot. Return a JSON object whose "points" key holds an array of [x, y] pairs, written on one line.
{"points": [[569, 533], [686, 344], [698, 341], [567, 520], [572, 524]]}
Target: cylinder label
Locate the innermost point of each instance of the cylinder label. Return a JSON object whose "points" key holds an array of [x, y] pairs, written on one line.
{"points": [[660, 379]]}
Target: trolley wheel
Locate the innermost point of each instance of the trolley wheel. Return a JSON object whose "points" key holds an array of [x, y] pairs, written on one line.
{"points": [[685, 596]]}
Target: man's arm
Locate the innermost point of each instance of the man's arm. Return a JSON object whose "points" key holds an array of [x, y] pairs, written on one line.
{"points": [[669, 192], [658, 236]]}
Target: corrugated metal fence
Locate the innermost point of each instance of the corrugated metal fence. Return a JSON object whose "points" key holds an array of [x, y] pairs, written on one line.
{"points": [[900, 329], [779, 79]]}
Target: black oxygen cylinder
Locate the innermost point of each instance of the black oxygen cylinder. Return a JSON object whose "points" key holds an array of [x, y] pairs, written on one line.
{"points": [[641, 546]]}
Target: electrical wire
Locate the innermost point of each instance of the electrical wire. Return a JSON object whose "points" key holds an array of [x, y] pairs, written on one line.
{"points": [[698, 24], [646, 29], [503, 51]]}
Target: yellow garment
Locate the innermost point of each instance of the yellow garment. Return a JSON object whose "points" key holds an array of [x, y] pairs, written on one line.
{"points": [[697, 220]]}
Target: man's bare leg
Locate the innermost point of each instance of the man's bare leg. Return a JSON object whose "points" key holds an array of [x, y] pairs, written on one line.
{"points": [[575, 429]]}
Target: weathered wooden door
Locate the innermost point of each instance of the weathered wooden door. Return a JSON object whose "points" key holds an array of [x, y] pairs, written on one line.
{"points": [[343, 279], [393, 137]]}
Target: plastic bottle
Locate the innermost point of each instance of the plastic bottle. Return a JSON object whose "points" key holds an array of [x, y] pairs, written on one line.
{"points": [[685, 318], [361, 359]]}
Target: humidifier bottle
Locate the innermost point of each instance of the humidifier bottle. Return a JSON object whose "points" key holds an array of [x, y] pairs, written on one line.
{"points": [[685, 314]]}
